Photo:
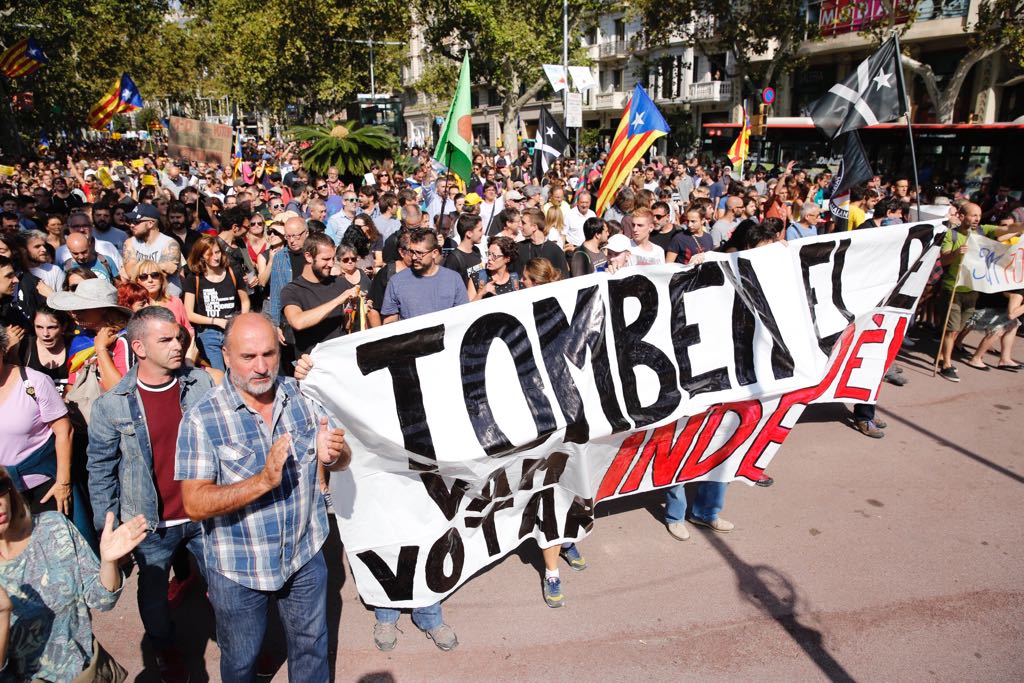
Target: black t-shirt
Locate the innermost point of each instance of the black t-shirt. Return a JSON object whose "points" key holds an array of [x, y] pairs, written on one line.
{"points": [[663, 239], [546, 249], [380, 285], [585, 262], [214, 299], [65, 204], [686, 245], [308, 295], [466, 265]]}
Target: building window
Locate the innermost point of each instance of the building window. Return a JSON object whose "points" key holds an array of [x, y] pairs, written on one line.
{"points": [[617, 79], [667, 65], [620, 30]]}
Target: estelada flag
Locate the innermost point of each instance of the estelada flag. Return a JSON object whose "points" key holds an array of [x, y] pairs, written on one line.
{"points": [[22, 59], [640, 126], [122, 97], [741, 148]]}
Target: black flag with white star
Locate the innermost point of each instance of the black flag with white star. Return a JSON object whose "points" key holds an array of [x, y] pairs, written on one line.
{"points": [[551, 142], [854, 169], [872, 94]]}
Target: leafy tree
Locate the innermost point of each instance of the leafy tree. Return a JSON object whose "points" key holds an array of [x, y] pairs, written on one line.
{"points": [[750, 30], [351, 148], [507, 43], [999, 27]]}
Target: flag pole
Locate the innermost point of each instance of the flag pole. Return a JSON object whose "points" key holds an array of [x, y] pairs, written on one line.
{"points": [[910, 127]]}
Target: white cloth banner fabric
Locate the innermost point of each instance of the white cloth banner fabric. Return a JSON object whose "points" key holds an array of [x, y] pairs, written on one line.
{"points": [[556, 74], [478, 427], [582, 77], [991, 266]]}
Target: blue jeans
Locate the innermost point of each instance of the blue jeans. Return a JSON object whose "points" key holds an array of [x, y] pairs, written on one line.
{"points": [[707, 499], [864, 412], [242, 622], [425, 618], [154, 557], [211, 343]]}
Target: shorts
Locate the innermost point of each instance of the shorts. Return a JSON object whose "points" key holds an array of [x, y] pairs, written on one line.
{"points": [[961, 310], [991, 321]]}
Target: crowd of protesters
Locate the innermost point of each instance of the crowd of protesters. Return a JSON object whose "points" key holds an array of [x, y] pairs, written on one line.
{"points": [[151, 308]]}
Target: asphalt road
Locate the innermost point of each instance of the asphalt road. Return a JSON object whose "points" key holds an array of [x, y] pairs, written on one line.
{"points": [[898, 559]]}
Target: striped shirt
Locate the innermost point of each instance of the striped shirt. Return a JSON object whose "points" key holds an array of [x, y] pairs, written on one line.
{"points": [[224, 441]]}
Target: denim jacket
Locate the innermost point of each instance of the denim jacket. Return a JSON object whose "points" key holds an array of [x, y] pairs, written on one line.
{"points": [[120, 458], [280, 275]]}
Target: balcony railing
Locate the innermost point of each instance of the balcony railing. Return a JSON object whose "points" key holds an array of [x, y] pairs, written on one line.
{"points": [[612, 100], [614, 48], [711, 91]]}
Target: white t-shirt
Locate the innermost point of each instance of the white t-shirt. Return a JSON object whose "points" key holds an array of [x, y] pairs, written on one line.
{"points": [[654, 256], [152, 252], [574, 226], [52, 275], [489, 214], [115, 236]]}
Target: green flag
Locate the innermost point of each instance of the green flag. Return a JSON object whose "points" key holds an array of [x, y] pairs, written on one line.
{"points": [[455, 146]]}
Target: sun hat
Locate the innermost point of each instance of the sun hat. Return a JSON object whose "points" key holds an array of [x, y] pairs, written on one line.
{"points": [[94, 293]]}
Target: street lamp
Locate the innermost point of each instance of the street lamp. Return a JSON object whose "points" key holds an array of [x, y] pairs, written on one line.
{"points": [[371, 43]]}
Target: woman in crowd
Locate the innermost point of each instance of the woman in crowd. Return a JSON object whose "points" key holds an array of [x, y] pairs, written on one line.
{"points": [[55, 232], [53, 579], [554, 225], [363, 237], [35, 436], [213, 294], [497, 276], [45, 349], [346, 266], [540, 271], [102, 320], [76, 276], [998, 318], [619, 251], [154, 280]]}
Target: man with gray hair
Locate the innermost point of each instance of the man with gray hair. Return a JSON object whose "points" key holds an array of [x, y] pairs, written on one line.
{"points": [[577, 216], [131, 470]]}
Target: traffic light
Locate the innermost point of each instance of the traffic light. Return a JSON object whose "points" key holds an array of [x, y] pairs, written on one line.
{"points": [[759, 121]]}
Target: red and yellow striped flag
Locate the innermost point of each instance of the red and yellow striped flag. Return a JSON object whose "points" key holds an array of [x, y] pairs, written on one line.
{"points": [[22, 59], [122, 97], [741, 148]]}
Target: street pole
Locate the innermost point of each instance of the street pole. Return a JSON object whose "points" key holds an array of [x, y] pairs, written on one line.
{"points": [[373, 81], [565, 63], [370, 43]]}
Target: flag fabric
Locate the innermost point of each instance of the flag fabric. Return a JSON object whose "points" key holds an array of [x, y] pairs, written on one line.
{"points": [[551, 142], [23, 58], [741, 148], [582, 77], [122, 97], [854, 169], [455, 144], [556, 75], [874, 93], [640, 126]]}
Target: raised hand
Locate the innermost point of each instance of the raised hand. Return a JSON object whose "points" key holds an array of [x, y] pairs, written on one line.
{"points": [[279, 453], [116, 543], [331, 447]]}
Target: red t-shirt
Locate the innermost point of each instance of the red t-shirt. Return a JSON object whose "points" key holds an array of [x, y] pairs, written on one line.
{"points": [[162, 406]]}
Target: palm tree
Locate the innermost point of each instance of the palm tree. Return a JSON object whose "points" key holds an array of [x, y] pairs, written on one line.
{"points": [[351, 148]]}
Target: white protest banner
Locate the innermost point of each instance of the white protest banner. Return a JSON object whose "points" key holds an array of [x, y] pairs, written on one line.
{"points": [[556, 74], [574, 110], [991, 266], [582, 77], [475, 428]]}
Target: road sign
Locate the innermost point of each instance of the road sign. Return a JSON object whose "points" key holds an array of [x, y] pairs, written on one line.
{"points": [[574, 110], [768, 95]]}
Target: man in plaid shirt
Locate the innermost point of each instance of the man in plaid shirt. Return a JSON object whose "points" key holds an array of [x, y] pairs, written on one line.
{"points": [[247, 459]]}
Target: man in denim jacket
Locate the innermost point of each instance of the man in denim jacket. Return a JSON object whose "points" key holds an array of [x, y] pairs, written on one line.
{"points": [[132, 437]]}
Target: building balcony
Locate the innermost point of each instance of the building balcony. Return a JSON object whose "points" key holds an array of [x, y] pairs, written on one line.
{"points": [[711, 91], [611, 100], [614, 48]]}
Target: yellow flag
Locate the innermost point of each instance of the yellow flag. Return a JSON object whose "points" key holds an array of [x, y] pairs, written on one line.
{"points": [[138, 163], [105, 178], [6, 170]]}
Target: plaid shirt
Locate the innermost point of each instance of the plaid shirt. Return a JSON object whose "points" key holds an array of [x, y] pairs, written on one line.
{"points": [[222, 440]]}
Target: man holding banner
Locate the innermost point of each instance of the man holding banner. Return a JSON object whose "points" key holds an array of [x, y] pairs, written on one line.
{"points": [[961, 299]]}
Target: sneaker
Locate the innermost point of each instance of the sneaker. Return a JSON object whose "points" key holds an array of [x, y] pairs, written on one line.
{"points": [[718, 524], [573, 557], [678, 531], [764, 481], [949, 372], [880, 423], [868, 428], [172, 667], [444, 637], [385, 636], [896, 379], [553, 592], [177, 590]]}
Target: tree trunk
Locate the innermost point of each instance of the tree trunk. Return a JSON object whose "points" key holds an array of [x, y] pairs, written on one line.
{"points": [[945, 100], [511, 105]]}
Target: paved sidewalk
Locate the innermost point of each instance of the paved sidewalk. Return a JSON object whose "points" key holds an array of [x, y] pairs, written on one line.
{"points": [[898, 559]]}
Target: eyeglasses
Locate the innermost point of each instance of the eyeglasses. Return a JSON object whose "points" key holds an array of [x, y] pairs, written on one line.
{"points": [[350, 199], [252, 223], [148, 276], [296, 235], [416, 253], [494, 256], [347, 259]]}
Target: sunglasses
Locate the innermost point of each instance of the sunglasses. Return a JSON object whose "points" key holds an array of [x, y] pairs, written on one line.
{"points": [[350, 199], [276, 206], [347, 259], [321, 187], [148, 276]]}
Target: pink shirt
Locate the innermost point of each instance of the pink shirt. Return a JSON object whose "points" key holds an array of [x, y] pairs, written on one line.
{"points": [[25, 427], [177, 307]]}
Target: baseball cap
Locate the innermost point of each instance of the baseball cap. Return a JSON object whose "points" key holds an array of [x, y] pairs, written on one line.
{"points": [[472, 199], [515, 196], [142, 212], [619, 243]]}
